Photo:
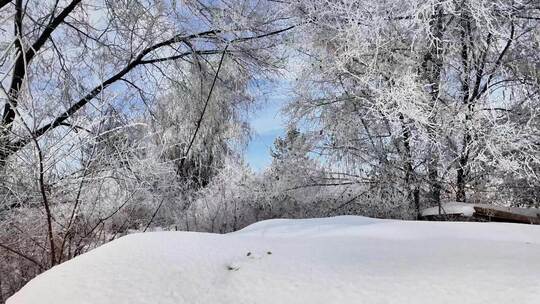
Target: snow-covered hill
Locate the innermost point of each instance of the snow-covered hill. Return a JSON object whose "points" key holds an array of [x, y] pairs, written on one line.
{"points": [[330, 260]]}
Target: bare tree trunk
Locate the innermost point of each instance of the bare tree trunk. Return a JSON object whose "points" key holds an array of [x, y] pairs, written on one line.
{"points": [[46, 205], [413, 193], [463, 158], [432, 66], [473, 89]]}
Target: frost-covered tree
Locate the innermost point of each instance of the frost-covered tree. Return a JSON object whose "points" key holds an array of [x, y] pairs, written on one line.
{"points": [[290, 158], [422, 100]]}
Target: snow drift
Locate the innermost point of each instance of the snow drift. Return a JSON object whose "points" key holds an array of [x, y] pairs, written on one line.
{"points": [[330, 260]]}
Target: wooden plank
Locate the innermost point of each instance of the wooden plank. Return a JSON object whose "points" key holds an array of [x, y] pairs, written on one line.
{"points": [[504, 216]]}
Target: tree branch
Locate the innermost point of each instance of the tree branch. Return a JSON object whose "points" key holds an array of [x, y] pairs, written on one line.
{"points": [[25, 57], [4, 3], [139, 60], [22, 255]]}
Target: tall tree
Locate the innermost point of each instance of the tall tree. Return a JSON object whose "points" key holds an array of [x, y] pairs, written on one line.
{"points": [[432, 95]]}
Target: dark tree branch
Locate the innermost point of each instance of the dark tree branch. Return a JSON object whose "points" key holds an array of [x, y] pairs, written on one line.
{"points": [[182, 55], [139, 60], [4, 3], [99, 88], [25, 57], [498, 63], [201, 117], [22, 255], [46, 205]]}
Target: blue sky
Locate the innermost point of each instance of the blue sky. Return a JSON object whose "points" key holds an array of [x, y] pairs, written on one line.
{"points": [[267, 123]]}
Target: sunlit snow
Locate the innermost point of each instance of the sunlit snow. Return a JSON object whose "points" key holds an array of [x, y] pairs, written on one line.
{"points": [[330, 260]]}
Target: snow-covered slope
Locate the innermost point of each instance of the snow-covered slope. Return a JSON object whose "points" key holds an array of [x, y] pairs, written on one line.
{"points": [[330, 260]]}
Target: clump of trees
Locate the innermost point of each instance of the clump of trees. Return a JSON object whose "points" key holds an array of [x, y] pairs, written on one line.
{"points": [[425, 101]]}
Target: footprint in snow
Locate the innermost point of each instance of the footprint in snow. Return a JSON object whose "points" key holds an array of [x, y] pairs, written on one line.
{"points": [[237, 264]]}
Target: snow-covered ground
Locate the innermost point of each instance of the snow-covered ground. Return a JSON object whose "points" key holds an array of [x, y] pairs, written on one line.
{"points": [[330, 260]]}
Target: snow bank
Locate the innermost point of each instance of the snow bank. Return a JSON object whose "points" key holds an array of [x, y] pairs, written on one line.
{"points": [[331, 260]]}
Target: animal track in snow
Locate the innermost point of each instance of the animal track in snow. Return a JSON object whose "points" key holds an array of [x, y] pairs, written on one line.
{"points": [[236, 264]]}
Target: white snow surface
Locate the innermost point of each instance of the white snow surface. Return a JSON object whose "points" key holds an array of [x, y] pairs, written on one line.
{"points": [[346, 259]]}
